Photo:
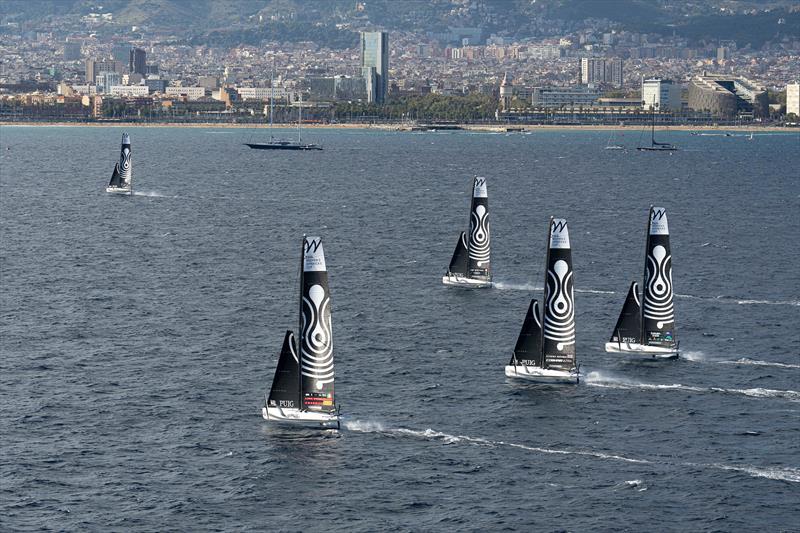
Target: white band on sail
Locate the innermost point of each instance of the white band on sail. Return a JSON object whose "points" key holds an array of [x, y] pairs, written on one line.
{"points": [[559, 234], [479, 188], [126, 138], [313, 258], [658, 221]]}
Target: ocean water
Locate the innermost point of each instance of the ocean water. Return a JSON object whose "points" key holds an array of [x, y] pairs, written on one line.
{"points": [[139, 335]]}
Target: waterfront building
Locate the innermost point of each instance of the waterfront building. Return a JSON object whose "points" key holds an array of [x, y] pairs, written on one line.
{"points": [[727, 96], [661, 94], [556, 97], [595, 70], [190, 93], [129, 90], [375, 54], [138, 61], [793, 99], [261, 93], [107, 80], [156, 84]]}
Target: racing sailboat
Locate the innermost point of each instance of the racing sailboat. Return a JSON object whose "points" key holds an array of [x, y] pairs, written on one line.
{"points": [[302, 389], [649, 329], [121, 177], [545, 349], [471, 265]]}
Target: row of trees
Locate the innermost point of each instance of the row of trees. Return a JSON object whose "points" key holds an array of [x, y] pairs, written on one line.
{"points": [[469, 108]]}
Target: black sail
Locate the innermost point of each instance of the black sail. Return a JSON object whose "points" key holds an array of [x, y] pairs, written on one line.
{"points": [[658, 315], [479, 266], [629, 323], [121, 176], [528, 351], [558, 324], [285, 391], [316, 336], [458, 264]]}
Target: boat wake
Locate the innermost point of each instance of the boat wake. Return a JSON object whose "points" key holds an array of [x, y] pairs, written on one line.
{"points": [[790, 474], [151, 194], [746, 361], [506, 286], [597, 379]]}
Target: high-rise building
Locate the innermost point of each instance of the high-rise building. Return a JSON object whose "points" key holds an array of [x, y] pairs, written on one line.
{"points": [[596, 70], [138, 61], [660, 94], [793, 98], [375, 54], [95, 67]]}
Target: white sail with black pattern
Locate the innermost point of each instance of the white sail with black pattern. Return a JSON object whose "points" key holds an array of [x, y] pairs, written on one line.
{"points": [[471, 262], [121, 177], [655, 337], [312, 399], [549, 343]]}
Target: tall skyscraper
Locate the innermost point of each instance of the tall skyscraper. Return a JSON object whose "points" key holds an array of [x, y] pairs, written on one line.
{"points": [[596, 70], [138, 61], [375, 54]]}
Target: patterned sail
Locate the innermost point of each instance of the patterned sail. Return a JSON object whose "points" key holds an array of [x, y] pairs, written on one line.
{"points": [[629, 323], [285, 391], [528, 351], [316, 336], [458, 264], [658, 316], [121, 177], [558, 324], [479, 266]]}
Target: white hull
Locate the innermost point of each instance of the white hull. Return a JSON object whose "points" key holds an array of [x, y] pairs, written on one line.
{"points": [[314, 419], [119, 190], [462, 281], [541, 375], [643, 350]]}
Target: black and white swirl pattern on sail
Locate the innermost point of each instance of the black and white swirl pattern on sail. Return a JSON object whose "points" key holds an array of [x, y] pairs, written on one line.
{"points": [[479, 239], [658, 288], [125, 160], [316, 347], [559, 316]]}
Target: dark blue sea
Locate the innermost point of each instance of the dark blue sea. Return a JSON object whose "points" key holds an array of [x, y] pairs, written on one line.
{"points": [[139, 334]]}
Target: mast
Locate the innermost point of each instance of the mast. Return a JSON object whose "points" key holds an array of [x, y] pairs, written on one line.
{"points": [[271, 98], [644, 274], [299, 117], [653, 129]]}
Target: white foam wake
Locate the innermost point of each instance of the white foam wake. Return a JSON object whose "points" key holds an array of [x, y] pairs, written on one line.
{"points": [[783, 474], [151, 194], [795, 303], [791, 474], [446, 438], [506, 286], [597, 379], [746, 361]]}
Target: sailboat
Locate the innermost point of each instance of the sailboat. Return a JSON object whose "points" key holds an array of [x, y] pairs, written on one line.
{"points": [[302, 389], [471, 265], [649, 329], [285, 144], [656, 146], [613, 145], [545, 349], [121, 177]]}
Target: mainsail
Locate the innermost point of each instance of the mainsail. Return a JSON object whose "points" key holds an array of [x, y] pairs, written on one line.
{"points": [[528, 351], [121, 177], [558, 321], [478, 265], [629, 323], [316, 336], [458, 264], [285, 391], [658, 318]]}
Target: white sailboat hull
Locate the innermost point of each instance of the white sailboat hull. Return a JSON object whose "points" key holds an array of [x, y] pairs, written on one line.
{"points": [[463, 281], [648, 352], [542, 375], [119, 190], [314, 419]]}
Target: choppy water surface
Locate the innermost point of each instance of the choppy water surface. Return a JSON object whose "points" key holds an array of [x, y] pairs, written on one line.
{"points": [[139, 334]]}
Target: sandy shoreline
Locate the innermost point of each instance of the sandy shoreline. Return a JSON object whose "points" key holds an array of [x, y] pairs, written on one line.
{"points": [[396, 127]]}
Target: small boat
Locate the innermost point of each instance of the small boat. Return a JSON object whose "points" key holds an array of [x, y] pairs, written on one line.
{"points": [[284, 144], [302, 389], [654, 145], [471, 265], [649, 330], [545, 349], [121, 177]]}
